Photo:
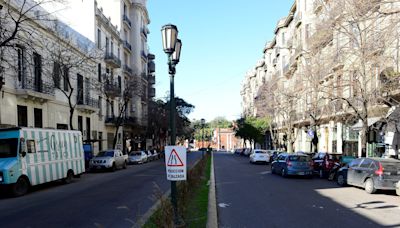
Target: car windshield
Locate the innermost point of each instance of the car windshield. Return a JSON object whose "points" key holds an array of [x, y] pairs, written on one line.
{"points": [[299, 158], [109, 153], [8, 147]]}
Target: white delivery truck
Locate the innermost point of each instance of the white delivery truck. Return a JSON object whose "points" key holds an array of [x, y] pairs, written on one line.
{"points": [[32, 156]]}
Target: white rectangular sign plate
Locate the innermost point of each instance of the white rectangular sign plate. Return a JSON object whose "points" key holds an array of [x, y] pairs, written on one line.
{"points": [[175, 163]]}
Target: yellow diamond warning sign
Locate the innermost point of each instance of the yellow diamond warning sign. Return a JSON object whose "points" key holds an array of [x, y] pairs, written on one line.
{"points": [[175, 162]]}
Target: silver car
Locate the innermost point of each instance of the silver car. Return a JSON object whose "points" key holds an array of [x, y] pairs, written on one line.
{"points": [[108, 159], [137, 157]]}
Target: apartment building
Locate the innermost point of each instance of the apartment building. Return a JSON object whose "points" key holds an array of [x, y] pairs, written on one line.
{"points": [[55, 71], [327, 77]]}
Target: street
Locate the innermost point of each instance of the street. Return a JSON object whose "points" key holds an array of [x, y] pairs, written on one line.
{"points": [[103, 199], [250, 196]]}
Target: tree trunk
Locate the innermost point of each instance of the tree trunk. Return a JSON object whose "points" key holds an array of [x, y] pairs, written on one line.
{"points": [[71, 116], [115, 136], [363, 135]]}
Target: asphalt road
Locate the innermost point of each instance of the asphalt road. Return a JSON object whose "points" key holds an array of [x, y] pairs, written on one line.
{"points": [[104, 199], [250, 196]]}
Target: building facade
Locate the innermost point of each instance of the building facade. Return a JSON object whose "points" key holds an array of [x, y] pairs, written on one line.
{"points": [[51, 72], [328, 78]]}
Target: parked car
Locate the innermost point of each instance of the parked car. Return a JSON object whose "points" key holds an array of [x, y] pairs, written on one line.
{"points": [[373, 173], [137, 157], [155, 155], [238, 151], [275, 154], [259, 156], [149, 155], [108, 159], [323, 163], [292, 164], [341, 176]]}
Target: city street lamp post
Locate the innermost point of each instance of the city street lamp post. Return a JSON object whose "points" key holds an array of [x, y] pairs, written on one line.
{"points": [[172, 47]]}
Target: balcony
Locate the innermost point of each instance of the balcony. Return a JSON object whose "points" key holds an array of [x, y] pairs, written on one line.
{"points": [[87, 104], [112, 60], [151, 66], [152, 92], [151, 56], [127, 69], [144, 31], [36, 91], [151, 79], [127, 46], [126, 20], [112, 89], [130, 121]]}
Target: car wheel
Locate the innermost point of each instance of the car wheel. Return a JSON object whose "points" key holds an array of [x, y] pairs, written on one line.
{"points": [[125, 165], [340, 180], [272, 169], [21, 187], [321, 173], [69, 177], [284, 173], [369, 186], [113, 168]]}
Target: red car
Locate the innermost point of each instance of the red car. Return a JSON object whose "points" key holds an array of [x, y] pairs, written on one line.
{"points": [[323, 163]]}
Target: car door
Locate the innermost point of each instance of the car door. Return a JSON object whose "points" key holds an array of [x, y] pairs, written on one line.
{"points": [[351, 172], [363, 171]]}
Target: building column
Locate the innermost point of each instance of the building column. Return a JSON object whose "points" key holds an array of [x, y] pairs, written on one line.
{"points": [[339, 138]]}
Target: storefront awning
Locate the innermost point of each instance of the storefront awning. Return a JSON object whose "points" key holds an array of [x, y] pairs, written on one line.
{"points": [[370, 121]]}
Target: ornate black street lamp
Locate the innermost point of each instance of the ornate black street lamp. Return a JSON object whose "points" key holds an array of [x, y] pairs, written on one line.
{"points": [[172, 47]]}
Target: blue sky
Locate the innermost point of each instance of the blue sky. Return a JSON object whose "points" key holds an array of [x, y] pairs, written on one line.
{"points": [[221, 41]]}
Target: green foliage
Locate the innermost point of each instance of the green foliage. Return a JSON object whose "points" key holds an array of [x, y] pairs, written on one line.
{"points": [[252, 128], [220, 122]]}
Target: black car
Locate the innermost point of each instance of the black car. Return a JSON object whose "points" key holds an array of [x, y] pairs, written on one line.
{"points": [[371, 174]]}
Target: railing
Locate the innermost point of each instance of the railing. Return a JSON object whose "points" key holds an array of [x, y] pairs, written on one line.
{"points": [[89, 101], [41, 87], [151, 56], [112, 89], [144, 31], [126, 19], [127, 45], [127, 69], [151, 79], [112, 59], [152, 92]]}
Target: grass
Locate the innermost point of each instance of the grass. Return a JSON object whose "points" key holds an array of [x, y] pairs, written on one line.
{"points": [[193, 205], [196, 214]]}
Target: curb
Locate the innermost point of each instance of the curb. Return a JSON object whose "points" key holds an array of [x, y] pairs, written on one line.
{"points": [[212, 221]]}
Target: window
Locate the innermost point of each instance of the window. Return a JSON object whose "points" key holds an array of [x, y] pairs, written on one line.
{"points": [[80, 123], [119, 82], [100, 141], [66, 78], [62, 126], [37, 62], [21, 63], [22, 112], [31, 146], [56, 74], [366, 163], [107, 46], [99, 38], [355, 163], [112, 47], [99, 72], [38, 117], [100, 106], [80, 89], [88, 128]]}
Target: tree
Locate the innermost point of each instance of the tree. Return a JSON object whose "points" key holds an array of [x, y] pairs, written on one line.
{"points": [[249, 129], [365, 36], [72, 56]]}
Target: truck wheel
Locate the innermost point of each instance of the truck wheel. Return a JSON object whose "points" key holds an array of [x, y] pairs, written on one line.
{"points": [[369, 186], [69, 177], [21, 187]]}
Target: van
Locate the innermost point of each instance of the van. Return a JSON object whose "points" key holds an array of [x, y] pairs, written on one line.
{"points": [[33, 156]]}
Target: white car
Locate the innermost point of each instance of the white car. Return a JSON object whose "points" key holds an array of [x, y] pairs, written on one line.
{"points": [[137, 157], [259, 155], [108, 159]]}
